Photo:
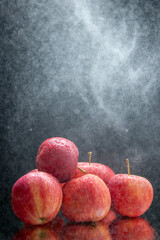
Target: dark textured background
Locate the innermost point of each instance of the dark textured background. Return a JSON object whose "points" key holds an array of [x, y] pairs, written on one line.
{"points": [[85, 70]]}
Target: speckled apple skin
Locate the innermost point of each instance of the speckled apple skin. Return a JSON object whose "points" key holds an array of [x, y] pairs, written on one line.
{"points": [[36, 198], [101, 170], [59, 157], [85, 199], [81, 231], [131, 195], [131, 228], [36, 170]]}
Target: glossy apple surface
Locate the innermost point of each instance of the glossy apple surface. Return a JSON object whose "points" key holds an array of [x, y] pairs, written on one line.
{"points": [[36, 170], [81, 231], [101, 170], [36, 198], [59, 157], [131, 195], [85, 199], [131, 228], [56, 224], [36, 233]]}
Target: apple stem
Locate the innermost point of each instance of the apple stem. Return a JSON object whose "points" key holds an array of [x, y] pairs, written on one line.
{"points": [[90, 154], [128, 168], [84, 171]]}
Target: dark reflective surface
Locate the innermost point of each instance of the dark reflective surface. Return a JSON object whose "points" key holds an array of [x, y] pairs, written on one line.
{"points": [[110, 228], [132, 228], [88, 71], [51, 230]]}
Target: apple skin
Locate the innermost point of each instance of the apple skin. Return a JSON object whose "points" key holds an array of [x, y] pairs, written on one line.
{"points": [[59, 157], [36, 170], [131, 195], [83, 231], [62, 184], [85, 199], [101, 170], [36, 198], [131, 228]]}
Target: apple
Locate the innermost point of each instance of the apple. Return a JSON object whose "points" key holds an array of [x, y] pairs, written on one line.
{"points": [[36, 233], [36, 198], [131, 228], [36, 170], [85, 199], [83, 231], [131, 195], [59, 157], [101, 170]]}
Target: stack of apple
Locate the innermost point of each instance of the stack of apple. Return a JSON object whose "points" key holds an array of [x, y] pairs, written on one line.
{"points": [[84, 192]]}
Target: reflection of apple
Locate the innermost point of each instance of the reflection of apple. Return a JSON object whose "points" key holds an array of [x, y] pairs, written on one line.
{"points": [[36, 233], [131, 195], [56, 224], [36, 198], [131, 228], [85, 199], [81, 231], [59, 157], [101, 170], [108, 219]]}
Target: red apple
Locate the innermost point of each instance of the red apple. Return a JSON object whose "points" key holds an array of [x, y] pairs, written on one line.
{"points": [[36, 233], [59, 157], [81, 231], [131, 228], [36, 170], [85, 199], [101, 170], [131, 195], [36, 198]]}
